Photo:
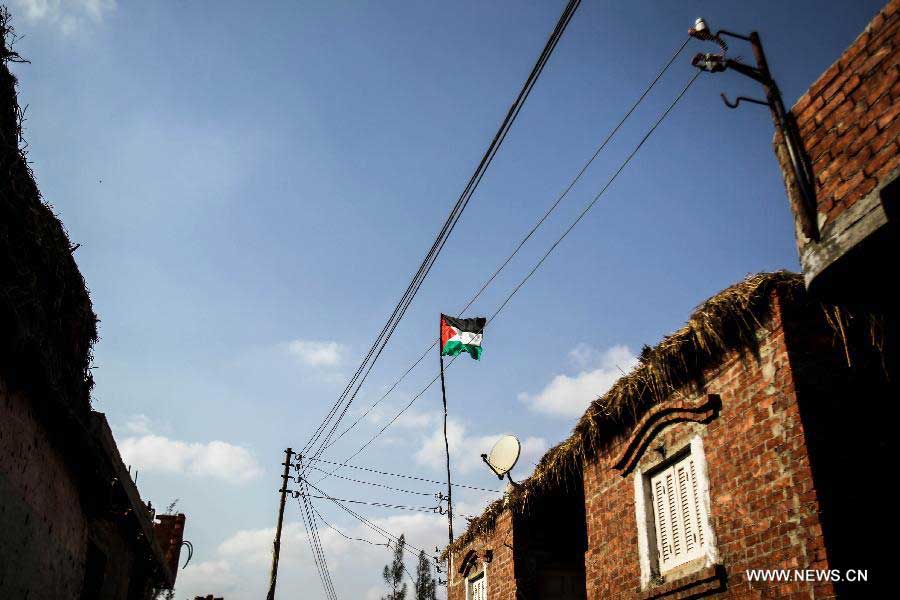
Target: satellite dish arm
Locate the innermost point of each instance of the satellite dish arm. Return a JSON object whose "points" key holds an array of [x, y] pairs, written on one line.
{"points": [[484, 457]]}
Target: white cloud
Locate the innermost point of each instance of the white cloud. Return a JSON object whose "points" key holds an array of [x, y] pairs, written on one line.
{"points": [[584, 355], [147, 451], [69, 15], [138, 424], [316, 354], [253, 547], [213, 575], [569, 396], [466, 450]]}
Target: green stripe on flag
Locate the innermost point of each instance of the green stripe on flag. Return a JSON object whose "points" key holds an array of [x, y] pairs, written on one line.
{"points": [[454, 347]]}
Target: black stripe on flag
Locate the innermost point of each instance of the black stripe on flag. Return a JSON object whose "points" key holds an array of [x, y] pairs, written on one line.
{"points": [[473, 325]]}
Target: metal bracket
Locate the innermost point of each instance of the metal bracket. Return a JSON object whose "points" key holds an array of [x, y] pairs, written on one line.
{"points": [[190, 548], [740, 99]]}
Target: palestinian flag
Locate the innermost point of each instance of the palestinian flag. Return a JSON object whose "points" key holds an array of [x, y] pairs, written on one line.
{"points": [[461, 335]]}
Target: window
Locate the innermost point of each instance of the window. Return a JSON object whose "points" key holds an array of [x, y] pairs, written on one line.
{"points": [[678, 514], [477, 588], [672, 510]]}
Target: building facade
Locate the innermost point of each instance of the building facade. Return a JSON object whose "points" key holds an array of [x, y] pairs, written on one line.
{"points": [[753, 439], [714, 458], [848, 127]]}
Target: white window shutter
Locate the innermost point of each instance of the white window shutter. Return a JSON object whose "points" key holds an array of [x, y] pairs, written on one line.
{"points": [[678, 514]]}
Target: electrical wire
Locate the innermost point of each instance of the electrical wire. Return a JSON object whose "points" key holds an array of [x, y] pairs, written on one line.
{"points": [[356, 539], [540, 262], [371, 470], [530, 233], [349, 537], [318, 554], [361, 518], [318, 542], [424, 509], [381, 485], [346, 399]]}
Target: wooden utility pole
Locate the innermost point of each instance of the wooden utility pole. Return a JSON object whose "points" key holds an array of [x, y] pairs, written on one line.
{"points": [[277, 545]]}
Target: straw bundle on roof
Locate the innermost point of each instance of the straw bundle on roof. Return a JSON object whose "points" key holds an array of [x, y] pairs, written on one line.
{"points": [[727, 322], [47, 322]]}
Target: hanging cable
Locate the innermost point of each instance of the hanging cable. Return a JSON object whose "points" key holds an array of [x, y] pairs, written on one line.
{"points": [[424, 509], [318, 543], [372, 483], [529, 234], [370, 470], [318, 555], [349, 537], [361, 518], [346, 398], [540, 262]]}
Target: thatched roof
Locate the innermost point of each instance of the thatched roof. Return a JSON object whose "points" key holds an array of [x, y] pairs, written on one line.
{"points": [[725, 323], [48, 324]]}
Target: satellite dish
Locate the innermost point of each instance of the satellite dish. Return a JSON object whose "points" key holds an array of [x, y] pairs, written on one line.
{"points": [[503, 456]]}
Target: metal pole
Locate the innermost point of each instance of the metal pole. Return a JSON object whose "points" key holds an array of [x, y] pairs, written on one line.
{"points": [[446, 442], [277, 545], [791, 139]]}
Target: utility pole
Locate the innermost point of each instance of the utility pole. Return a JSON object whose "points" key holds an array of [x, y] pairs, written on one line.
{"points": [[277, 545], [717, 63]]}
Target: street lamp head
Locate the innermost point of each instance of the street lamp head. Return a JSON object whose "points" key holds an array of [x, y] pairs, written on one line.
{"points": [[700, 30]]}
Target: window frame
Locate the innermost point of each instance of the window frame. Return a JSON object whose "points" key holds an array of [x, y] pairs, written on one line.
{"points": [[473, 575], [653, 569]]}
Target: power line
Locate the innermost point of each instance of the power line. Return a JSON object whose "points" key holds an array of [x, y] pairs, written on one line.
{"points": [[361, 518], [534, 269], [425, 509], [318, 542], [416, 478], [356, 539], [349, 537], [317, 552], [529, 234], [381, 485], [450, 223]]}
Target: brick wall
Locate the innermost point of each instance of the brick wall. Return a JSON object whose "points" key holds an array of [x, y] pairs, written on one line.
{"points": [[501, 571], [43, 533], [169, 532], [848, 126], [789, 431]]}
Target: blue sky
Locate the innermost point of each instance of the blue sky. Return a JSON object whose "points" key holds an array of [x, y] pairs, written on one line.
{"points": [[252, 186]]}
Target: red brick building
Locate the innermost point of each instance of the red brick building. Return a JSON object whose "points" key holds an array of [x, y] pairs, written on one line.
{"points": [[848, 127], [753, 437], [727, 449]]}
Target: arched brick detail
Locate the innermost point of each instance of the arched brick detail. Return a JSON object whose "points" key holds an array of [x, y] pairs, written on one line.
{"points": [[701, 409]]}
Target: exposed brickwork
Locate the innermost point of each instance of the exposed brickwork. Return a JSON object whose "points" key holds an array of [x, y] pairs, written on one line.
{"points": [[42, 528], [848, 125], [501, 571], [763, 501], [848, 117], [780, 433], [169, 532]]}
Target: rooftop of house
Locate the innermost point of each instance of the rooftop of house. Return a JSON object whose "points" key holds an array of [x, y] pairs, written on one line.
{"points": [[725, 323]]}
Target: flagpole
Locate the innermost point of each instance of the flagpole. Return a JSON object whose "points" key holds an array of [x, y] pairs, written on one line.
{"points": [[446, 442]]}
